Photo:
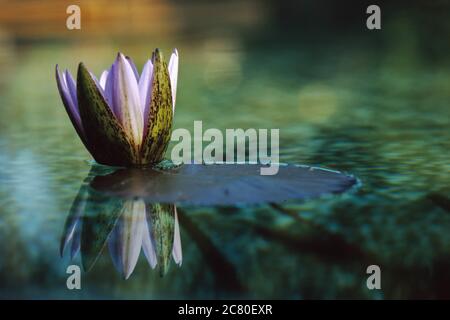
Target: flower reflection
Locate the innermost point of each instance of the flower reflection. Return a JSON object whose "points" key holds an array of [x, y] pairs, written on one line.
{"points": [[124, 226], [153, 227]]}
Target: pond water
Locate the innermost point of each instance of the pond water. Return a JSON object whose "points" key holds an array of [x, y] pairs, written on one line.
{"points": [[374, 106]]}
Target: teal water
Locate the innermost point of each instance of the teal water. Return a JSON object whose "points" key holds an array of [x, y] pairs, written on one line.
{"points": [[373, 106]]}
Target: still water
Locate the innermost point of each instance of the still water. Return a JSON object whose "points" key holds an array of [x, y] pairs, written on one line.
{"points": [[379, 113]]}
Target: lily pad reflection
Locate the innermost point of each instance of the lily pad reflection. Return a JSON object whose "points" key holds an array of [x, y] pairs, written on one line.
{"points": [[222, 184]]}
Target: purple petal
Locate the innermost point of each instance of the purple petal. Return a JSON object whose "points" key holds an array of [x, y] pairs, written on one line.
{"points": [[70, 104], [125, 99], [173, 74], [97, 83], [72, 88], [101, 89], [145, 91], [114, 246], [72, 229], [76, 242], [72, 238], [109, 88]]}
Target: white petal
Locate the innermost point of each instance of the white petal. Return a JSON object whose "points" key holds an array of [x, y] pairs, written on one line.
{"points": [[173, 74], [103, 78], [126, 239], [126, 100], [145, 91], [177, 253]]}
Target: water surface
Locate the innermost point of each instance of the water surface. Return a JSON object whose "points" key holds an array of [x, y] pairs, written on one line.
{"points": [[374, 106]]}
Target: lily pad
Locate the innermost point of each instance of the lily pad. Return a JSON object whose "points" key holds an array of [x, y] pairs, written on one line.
{"points": [[222, 184]]}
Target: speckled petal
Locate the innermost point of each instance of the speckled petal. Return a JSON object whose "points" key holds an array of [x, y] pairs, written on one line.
{"points": [[162, 232], [147, 245], [159, 121], [107, 140]]}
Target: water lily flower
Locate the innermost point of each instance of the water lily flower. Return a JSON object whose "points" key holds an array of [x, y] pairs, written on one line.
{"points": [[123, 119], [125, 227]]}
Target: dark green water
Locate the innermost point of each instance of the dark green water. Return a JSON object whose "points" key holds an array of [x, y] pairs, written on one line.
{"points": [[377, 107]]}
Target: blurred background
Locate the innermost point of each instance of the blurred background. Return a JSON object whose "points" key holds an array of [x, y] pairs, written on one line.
{"points": [[371, 103]]}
